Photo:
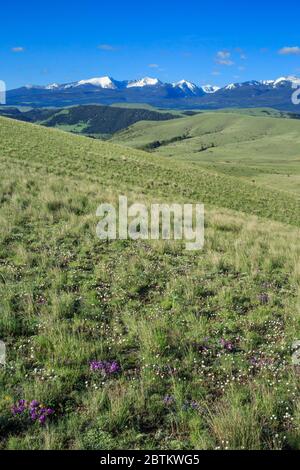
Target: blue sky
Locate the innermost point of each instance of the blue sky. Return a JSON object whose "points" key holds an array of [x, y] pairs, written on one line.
{"points": [[218, 43]]}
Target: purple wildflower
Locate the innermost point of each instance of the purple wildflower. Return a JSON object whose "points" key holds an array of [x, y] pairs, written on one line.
{"points": [[42, 419], [41, 414], [191, 404], [114, 367], [106, 367], [19, 408], [228, 345], [95, 365], [34, 404], [194, 405], [34, 409], [169, 400], [44, 413], [33, 415]]}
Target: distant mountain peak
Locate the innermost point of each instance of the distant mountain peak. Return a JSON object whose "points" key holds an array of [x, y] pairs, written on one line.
{"points": [[289, 79], [146, 81], [102, 82], [231, 86], [210, 88], [184, 85], [52, 86]]}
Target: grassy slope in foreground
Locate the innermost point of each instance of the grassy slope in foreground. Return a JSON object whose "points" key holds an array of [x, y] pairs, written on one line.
{"points": [[262, 148], [210, 330], [133, 170]]}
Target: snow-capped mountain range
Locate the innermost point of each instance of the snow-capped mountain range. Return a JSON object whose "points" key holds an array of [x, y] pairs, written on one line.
{"points": [[291, 81], [110, 83], [183, 94], [184, 85]]}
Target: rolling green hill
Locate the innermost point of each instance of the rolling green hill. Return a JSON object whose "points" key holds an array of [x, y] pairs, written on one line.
{"points": [[92, 120], [262, 112], [138, 171], [262, 149], [202, 340]]}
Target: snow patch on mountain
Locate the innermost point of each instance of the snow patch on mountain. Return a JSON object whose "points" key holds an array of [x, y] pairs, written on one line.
{"points": [[210, 88], [101, 82], [146, 81], [231, 86], [282, 81], [52, 86], [292, 80], [267, 82], [184, 85]]}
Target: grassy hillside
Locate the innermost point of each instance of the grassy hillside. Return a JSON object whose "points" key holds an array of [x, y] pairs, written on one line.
{"points": [[262, 112], [141, 172], [202, 340], [266, 150], [91, 119], [174, 112]]}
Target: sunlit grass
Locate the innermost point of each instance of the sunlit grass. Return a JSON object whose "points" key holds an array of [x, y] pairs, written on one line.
{"points": [[211, 330]]}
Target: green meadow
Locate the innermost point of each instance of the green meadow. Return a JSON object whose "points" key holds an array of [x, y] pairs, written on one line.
{"points": [[203, 340], [263, 150]]}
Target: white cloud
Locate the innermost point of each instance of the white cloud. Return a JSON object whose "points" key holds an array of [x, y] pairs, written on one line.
{"points": [[18, 49], [289, 50], [223, 54], [106, 47], [225, 62], [224, 58], [153, 66]]}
